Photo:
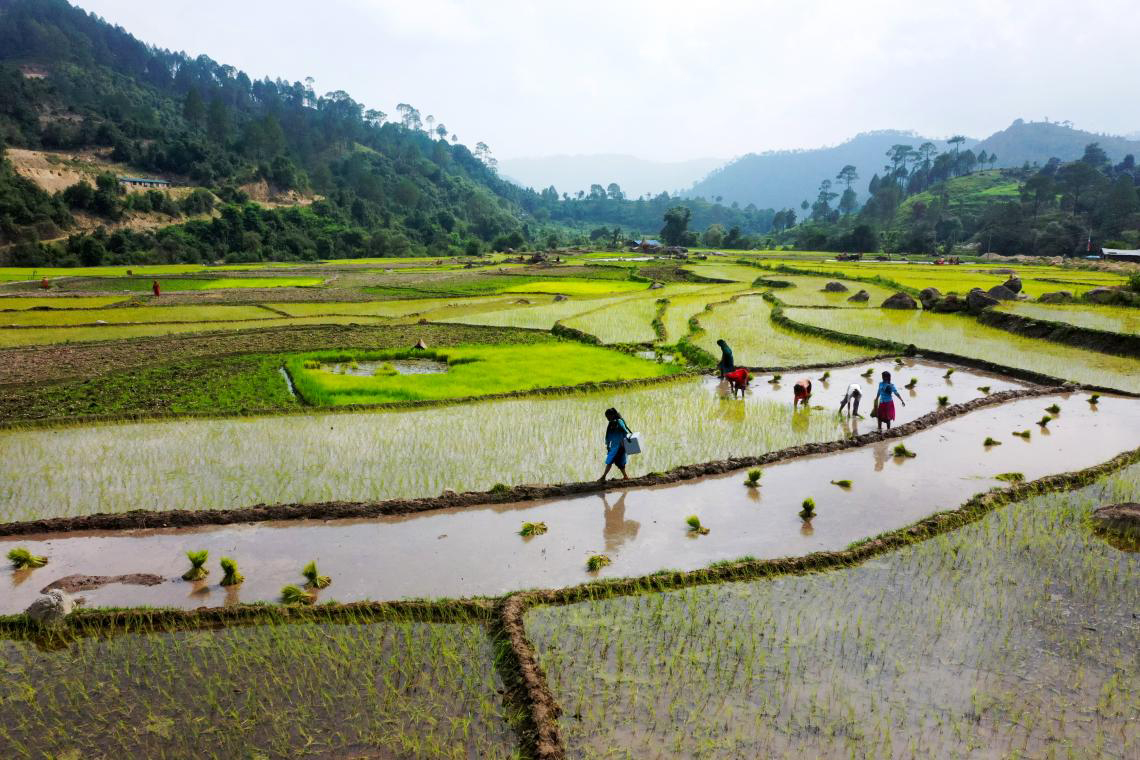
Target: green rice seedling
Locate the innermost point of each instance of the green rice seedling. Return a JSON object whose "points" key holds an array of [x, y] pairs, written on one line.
{"points": [[1052, 409], [870, 371], [197, 570], [313, 578], [232, 577], [596, 562], [1044, 421], [695, 526], [913, 382], [823, 378], [902, 451], [1011, 477], [754, 477], [353, 364], [899, 362], [1094, 398], [943, 400], [312, 364], [292, 594], [21, 558], [807, 510], [775, 379], [532, 529], [1022, 434], [841, 483], [991, 442], [500, 488], [949, 372], [984, 389]]}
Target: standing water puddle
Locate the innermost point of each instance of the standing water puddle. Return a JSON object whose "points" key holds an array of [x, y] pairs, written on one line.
{"points": [[456, 553], [387, 367]]}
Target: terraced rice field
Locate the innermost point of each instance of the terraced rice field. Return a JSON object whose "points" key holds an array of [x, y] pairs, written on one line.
{"points": [[965, 337], [1117, 319]]}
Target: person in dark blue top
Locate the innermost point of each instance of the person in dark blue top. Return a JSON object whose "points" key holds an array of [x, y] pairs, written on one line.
{"points": [[727, 364], [616, 433]]}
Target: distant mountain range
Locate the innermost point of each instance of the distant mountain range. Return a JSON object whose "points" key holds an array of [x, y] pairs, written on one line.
{"points": [[783, 179], [569, 174]]}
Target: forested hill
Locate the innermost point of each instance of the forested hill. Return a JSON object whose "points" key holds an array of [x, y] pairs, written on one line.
{"points": [[378, 185], [784, 179], [1035, 142]]}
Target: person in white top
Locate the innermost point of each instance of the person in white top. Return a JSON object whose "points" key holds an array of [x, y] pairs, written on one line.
{"points": [[851, 400]]}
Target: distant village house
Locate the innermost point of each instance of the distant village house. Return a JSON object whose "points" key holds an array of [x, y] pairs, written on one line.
{"points": [[145, 182]]}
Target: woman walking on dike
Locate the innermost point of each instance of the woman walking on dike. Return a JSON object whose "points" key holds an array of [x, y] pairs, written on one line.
{"points": [[616, 433], [884, 405], [726, 361]]}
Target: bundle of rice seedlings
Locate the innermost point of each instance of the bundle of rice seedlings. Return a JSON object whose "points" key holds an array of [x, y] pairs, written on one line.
{"points": [[232, 577], [1052, 409], [870, 371], [1011, 477], [808, 509], [902, 451], [1044, 421], [949, 372], [197, 569], [1094, 398], [754, 477], [533, 529], [899, 362], [296, 595], [990, 442], [775, 379], [943, 400], [841, 483], [913, 382], [984, 389], [500, 488], [21, 558], [1022, 434], [311, 364], [313, 579], [824, 376], [695, 526], [596, 562]]}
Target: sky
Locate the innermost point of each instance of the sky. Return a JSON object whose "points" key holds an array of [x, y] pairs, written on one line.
{"points": [[669, 81]]}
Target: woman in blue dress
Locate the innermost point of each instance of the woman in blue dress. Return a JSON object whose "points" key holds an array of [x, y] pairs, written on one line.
{"points": [[616, 433]]}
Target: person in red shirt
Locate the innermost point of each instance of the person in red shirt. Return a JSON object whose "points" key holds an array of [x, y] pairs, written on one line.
{"points": [[154, 288], [738, 380], [801, 392]]}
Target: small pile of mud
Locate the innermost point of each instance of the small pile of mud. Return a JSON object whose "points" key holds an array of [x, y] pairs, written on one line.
{"points": [[1119, 525], [75, 583]]}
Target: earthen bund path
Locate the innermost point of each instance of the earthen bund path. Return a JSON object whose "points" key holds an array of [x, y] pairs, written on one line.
{"points": [[469, 546]]}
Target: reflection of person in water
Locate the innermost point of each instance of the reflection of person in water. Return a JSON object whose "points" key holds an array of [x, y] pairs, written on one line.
{"points": [[881, 451], [800, 420], [617, 529]]}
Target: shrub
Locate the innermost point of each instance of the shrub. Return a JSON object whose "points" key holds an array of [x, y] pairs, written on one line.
{"points": [[753, 477], [596, 562], [902, 451], [292, 594], [314, 579], [21, 558], [197, 570], [841, 483], [807, 510], [695, 526], [231, 575], [533, 529]]}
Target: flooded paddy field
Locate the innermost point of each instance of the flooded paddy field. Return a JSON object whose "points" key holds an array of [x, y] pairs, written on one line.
{"points": [[213, 464], [478, 552], [303, 689], [1015, 636]]}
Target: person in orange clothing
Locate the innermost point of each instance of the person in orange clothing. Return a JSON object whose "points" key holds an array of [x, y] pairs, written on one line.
{"points": [[154, 288], [738, 380]]}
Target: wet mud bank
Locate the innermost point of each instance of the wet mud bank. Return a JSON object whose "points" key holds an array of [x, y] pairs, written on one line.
{"points": [[468, 552], [142, 519]]}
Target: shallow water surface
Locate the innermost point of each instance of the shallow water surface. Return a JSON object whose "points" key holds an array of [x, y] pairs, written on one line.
{"points": [[477, 551]]}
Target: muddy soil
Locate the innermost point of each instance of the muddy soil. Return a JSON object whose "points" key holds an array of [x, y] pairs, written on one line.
{"points": [[75, 583], [477, 551]]}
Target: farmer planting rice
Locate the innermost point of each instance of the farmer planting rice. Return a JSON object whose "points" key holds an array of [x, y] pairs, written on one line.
{"points": [[616, 434], [738, 380], [884, 410], [801, 393], [727, 364], [851, 400]]}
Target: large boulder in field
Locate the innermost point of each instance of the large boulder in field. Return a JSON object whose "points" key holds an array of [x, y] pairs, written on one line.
{"points": [[1057, 296], [1100, 295], [1001, 293], [929, 296], [1013, 283], [977, 299], [900, 301], [657, 286], [51, 608], [861, 297], [835, 287], [950, 304]]}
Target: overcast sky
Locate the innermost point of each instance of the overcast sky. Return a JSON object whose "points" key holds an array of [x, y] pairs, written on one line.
{"points": [[672, 80]]}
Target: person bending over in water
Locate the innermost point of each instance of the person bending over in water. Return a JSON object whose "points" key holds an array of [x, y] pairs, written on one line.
{"points": [[727, 364], [851, 400], [738, 380], [616, 433], [801, 393], [885, 408]]}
